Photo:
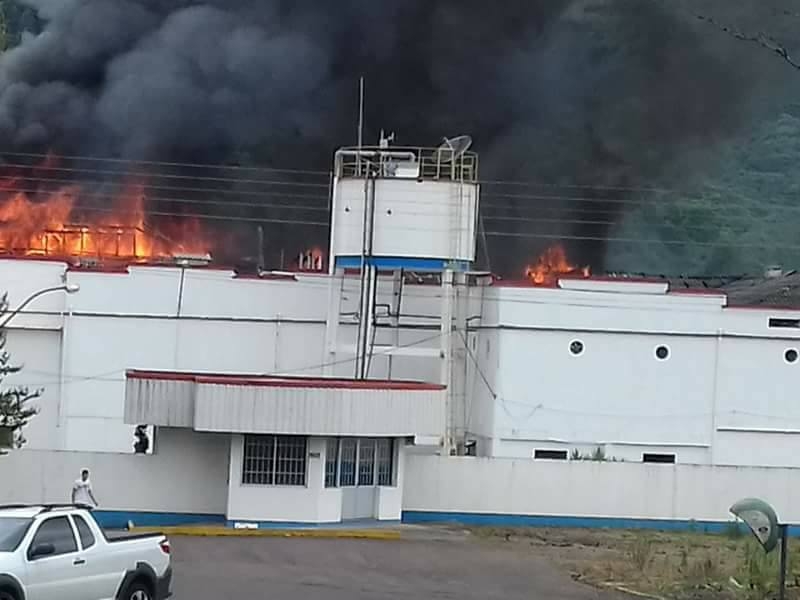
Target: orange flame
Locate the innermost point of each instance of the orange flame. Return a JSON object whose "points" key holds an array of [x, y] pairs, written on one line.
{"points": [[552, 263], [53, 227], [311, 260]]}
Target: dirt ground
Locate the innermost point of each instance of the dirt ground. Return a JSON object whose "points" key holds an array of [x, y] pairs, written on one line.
{"points": [[685, 566]]}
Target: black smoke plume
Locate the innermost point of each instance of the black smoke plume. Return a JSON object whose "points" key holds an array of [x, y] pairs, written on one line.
{"points": [[596, 94]]}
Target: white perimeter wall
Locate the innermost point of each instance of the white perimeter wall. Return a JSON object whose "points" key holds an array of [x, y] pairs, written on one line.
{"points": [[187, 474], [586, 489]]}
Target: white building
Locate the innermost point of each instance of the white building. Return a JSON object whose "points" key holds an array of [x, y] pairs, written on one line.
{"points": [[256, 374]]}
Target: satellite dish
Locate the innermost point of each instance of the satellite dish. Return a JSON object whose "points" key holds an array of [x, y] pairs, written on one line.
{"points": [[453, 148]]}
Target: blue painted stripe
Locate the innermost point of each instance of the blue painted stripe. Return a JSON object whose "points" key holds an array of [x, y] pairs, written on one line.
{"points": [[505, 520], [399, 262], [114, 519]]}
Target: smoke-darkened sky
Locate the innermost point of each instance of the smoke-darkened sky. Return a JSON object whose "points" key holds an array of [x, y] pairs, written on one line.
{"points": [[587, 92]]}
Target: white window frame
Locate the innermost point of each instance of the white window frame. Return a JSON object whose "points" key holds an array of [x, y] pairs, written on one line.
{"points": [[376, 471]]}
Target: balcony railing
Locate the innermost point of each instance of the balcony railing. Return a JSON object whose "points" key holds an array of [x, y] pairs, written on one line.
{"points": [[433, 164]]}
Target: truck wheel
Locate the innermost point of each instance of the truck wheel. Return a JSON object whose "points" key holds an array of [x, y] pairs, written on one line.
{"points": [[137, 591], [5, 595]]}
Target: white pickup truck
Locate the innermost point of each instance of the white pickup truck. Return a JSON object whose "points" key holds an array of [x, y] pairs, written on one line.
{"points": [[59, 552]]}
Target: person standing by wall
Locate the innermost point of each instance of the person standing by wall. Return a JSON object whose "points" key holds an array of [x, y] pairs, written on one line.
{"points": [[82, 492]]}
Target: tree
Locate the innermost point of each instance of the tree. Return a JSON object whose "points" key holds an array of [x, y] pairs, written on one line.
{"points": [[15, 408], [3, 28]]}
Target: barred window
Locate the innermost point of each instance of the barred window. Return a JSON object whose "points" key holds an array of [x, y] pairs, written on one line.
{"points": [[385, 456], [274, 460], [259, 460], [331, 462], [347, 476], [366, 462]]}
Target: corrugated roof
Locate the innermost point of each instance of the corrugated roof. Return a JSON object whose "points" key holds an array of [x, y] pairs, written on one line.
{"points": [[782, 291], [283, 381]]}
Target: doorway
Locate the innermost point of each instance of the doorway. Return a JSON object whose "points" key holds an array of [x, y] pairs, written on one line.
{"points": [[359, 466]]}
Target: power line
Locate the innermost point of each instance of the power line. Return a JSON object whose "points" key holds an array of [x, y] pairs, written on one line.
{"points": [[487, 196], [661, 202], [495, 234], [99, 183], [668, 242], [133, 174], [150, 198], [46, 157], [488, 200], [200, 217], [263, 169], [315, 367], [618, 188], [485, 206], [537, 220]]}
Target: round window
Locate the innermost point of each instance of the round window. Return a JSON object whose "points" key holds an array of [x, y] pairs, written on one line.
{"points": [[662, 353], [576, 347], [790, 355]]}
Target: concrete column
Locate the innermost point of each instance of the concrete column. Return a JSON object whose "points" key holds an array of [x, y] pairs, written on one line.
{"points": [[335, 284], [445, 355]]}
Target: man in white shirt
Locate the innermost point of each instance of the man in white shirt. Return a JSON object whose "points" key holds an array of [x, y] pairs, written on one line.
{"points": [[82, 490]]}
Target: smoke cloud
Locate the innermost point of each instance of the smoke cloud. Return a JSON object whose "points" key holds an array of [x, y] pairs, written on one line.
{"points": [[598, 93]]}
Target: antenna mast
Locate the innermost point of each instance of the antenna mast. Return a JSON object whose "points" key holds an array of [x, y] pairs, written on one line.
{"points": [[360, 121]]}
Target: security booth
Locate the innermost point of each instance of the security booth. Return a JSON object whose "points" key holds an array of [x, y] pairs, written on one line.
{"points": [[302, 450]]}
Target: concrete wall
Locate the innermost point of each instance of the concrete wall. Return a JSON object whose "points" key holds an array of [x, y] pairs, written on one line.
{"points": [[312, 503], [555, 492], [187, 474], [39, 352]]}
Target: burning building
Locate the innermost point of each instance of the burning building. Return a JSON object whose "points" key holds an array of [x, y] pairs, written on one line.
{"points": [[115, 213], [318, 397]]}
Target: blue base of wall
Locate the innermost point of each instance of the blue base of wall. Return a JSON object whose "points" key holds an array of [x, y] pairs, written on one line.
{"points": [[501, 520], [113, 519]]}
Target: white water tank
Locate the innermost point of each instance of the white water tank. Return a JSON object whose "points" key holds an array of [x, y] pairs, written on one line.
{"points": [[425, 207]]}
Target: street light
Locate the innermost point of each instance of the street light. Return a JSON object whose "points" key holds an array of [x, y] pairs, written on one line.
{"points": [[69, 288], [763, 522]]}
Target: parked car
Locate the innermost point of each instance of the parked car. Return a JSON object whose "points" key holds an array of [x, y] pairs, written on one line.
{"points": [[59, 552]]}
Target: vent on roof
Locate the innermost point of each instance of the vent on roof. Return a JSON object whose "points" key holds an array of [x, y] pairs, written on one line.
{"points": [[785, 323]]}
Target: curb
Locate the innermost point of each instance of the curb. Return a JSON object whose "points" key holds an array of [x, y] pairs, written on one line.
{"points": [[351, 534]]}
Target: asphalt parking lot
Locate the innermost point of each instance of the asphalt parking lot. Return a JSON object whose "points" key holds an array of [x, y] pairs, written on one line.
{"points": [[324, 569]]}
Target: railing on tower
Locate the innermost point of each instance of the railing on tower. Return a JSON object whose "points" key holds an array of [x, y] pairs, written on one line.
{"points": [[434, 164]]}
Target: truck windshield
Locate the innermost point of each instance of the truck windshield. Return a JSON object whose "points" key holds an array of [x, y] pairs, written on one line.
{"points": [[12, 530]]}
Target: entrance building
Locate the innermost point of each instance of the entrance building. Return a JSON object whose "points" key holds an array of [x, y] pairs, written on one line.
{"points": [[302, 450]]}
